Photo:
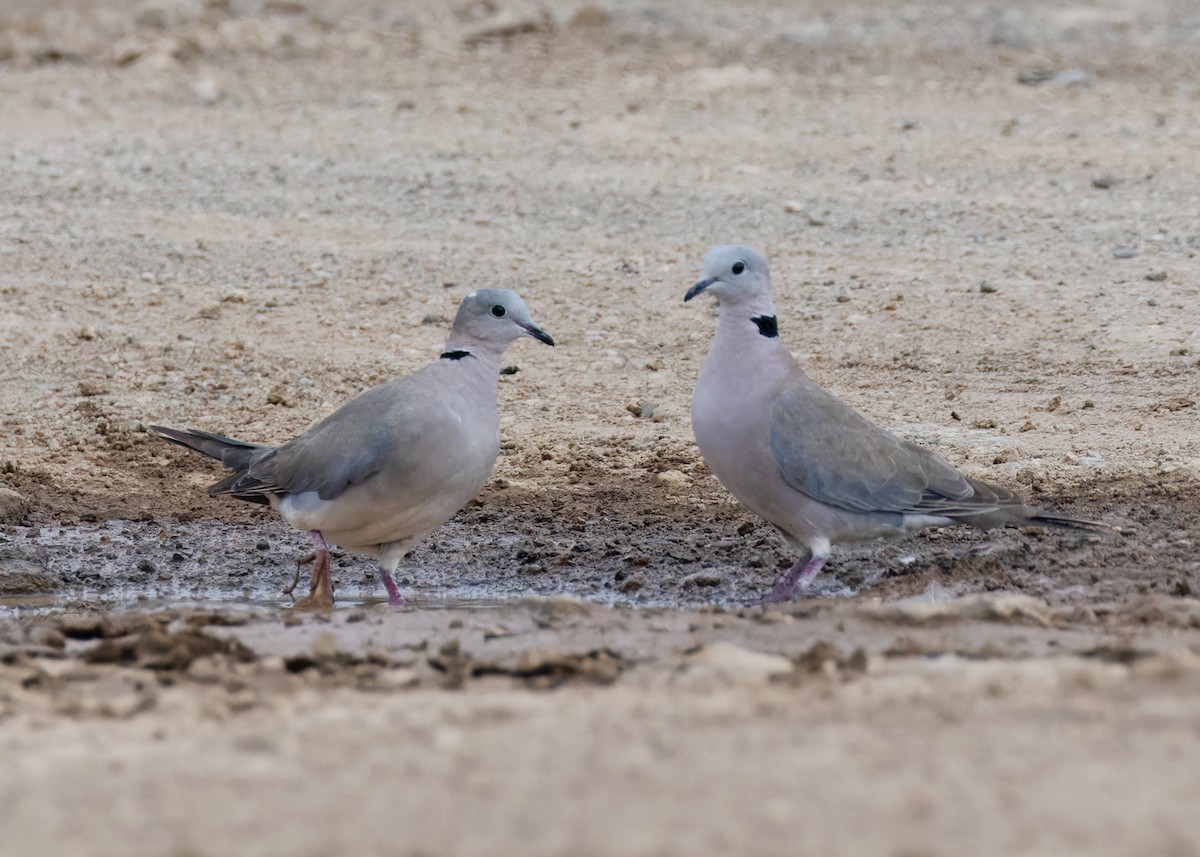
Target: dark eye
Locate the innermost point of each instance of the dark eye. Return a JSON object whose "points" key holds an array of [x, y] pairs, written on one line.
{"points": [[498, 311], [738, 267]]}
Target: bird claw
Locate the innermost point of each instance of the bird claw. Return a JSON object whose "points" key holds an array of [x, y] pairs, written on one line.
{"points": [[320, 593], [291, 587], [319, 598]]}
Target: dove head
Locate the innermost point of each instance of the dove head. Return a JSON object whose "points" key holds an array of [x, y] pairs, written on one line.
{"points": [[735, 275], [490, 319]]}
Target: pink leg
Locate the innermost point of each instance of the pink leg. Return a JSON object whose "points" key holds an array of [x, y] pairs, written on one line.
{"points": [[795, 580], [393, 591], [320, 590]]}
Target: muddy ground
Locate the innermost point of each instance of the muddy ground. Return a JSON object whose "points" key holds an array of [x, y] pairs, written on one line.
{"points": [[235, 215]]}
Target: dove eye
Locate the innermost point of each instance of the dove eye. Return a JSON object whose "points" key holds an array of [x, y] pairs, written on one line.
{"points": [[498, 311], [738, 267]]}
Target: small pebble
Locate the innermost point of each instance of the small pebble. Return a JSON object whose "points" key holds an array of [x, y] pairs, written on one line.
{"points": [[206, 90], [1053, 77], [674, 478], [1156, 276], [987, 288], [1125, 253]]}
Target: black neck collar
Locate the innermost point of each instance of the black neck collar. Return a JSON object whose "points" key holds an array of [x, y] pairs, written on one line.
{"points": [[766, 325], [455, 355]]}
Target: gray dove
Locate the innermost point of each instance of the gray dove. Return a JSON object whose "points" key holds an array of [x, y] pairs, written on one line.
{"points": [[812, 466], [393, 464]]}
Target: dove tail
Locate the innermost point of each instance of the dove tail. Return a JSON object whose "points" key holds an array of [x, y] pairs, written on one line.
{"points": [[234, 454], [1048, 519], [237, 455]]}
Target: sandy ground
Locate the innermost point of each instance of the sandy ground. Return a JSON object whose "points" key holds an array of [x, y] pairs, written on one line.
{"points": [[235, 215]]}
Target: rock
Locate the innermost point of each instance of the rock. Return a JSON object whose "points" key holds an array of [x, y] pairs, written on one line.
{"points": [[83, 626], [44, 634], [673, 478], [122, 706], [988, 288], [8, 45], [1004, 607], [397, 679], [452, 662], [1054, 77], [633, 582], [279, 395], [509, 23], [206, 90], [729, 663], [24, 573], [1156, 276], [13, 506], [701, 578], [150, 647], [550, 612], [707, 81], [645, 410], [1105, 181], [549, 666], [168, 14], [326, 647], [589, 15], [1124, 253], [1173, 404], [1007, 27]]}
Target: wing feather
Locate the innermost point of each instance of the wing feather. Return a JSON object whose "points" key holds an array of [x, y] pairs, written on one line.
{"points": [[344, 449], [830, 452]]}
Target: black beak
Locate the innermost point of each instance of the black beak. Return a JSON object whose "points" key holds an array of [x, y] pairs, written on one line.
{"points": [[536, 332], [698, 288]]}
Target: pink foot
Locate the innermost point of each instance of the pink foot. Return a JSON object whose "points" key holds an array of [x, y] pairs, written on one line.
{"points": [[795, 580], [393, 591], [320, 591]]}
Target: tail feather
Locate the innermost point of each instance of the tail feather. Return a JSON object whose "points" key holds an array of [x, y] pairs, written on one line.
{"points": [[234, 454], [1049, 519]]}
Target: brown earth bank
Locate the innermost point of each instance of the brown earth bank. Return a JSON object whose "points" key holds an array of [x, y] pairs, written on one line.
{"points": [[235, 215]]}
